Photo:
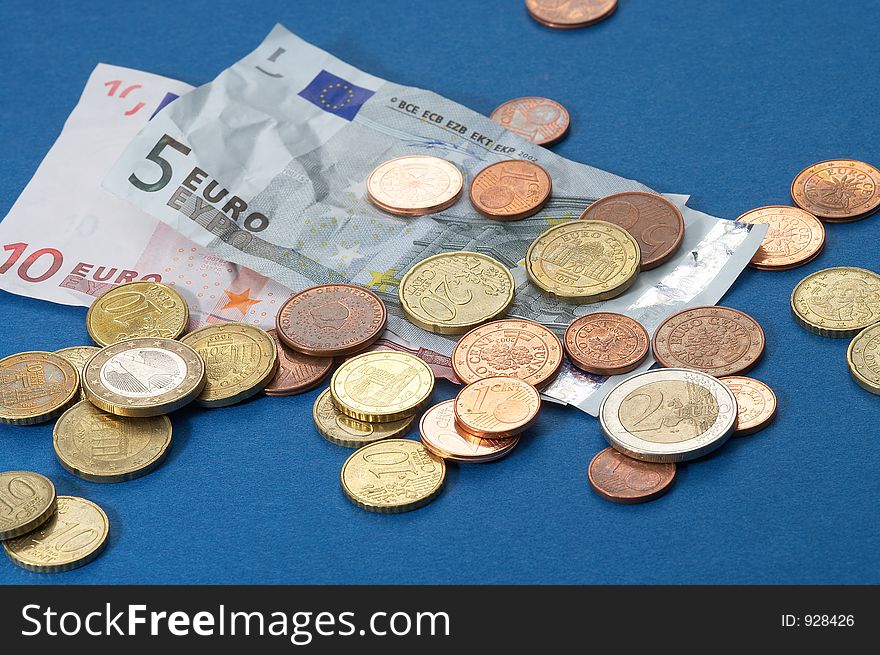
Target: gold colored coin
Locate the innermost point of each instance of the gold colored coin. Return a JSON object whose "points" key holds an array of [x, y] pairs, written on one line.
{"points": [[863, 358], [144, 377], [74, 536], [382, 386], [349, 432], [35, 387], [240, 361], [837, 302], [101, 447], [392, 476], [78, 356], [137, 309], [452, 292], [584, 261], [27, 500]]}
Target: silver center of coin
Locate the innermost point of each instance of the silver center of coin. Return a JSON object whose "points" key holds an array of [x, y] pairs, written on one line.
{"points": [[143, 372]]}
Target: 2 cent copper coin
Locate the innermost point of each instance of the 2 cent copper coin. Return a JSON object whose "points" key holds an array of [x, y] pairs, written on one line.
{"points": [[539, 120], [496, 408], [715, 340], [838, 190], [296, 372], [510, 190], [653, 221], [415, 185], [622, 479], [606, 343], [331, 320], [794, 237], [755, 402], [570, 14], [516, 348]]}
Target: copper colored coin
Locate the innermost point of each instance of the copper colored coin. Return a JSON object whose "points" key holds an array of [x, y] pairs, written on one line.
{"points": [[515, 348], [539, 120], [510, 190], [621, 479], [794, 237], [441, 437], [296, 372], [755, 402], [331, 320], [653, 221], [716, 340], [605, 343], [569, 14], [496, 408], [838, 190]]}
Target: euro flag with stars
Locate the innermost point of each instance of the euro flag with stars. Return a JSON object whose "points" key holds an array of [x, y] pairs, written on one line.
{"points": [[333, 94]]}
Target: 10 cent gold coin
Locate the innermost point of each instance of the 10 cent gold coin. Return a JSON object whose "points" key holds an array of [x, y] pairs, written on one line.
{"points": [[137, 309], [27, 500]]}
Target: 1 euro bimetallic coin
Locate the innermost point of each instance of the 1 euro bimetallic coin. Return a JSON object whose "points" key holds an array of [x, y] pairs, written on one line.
{"points": [[622, 479], [584, 261], [382, 386], [837, 302], [668, 415], [539, 120], [496, 408], [511, 347], [144, 377], [452, 292], [342, 430], [27, 501], [137, 309], [441, 437], [863, 358], [415, 185], [78, 356], [101, 447], [794, 237], [240, 360], [510, 190], [838, 190], [74, 536], [392, 476], [35, 387], [755, 401]]}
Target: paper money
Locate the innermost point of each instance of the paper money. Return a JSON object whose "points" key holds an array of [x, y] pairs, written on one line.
{"points": [[67, 240]]}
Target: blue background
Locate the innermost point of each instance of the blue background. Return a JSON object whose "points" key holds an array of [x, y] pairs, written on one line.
{"points": [[723, 100]]}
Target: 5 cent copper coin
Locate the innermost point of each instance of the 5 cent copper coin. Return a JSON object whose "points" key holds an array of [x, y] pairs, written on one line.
{"points": [[569, 14], [653, 221], [510, 190], [442, 438], [622, 479], [606, 343], [838, 190], [296, 372], [716, 340], [755, 401], [516, 348], [496, 408], [539, 120], [331, 320], [794, 237]]}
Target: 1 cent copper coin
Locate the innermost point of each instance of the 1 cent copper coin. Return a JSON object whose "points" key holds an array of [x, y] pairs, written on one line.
{"points": [[331, 320], [296, 372], [838, 190], [716, 340], [653, 221], [569, 14], [510, 190], [539, 120], [516, 348], [794, 237], [755, 401], [441, 437], [621, 479], [605, 343], [496, 408]]}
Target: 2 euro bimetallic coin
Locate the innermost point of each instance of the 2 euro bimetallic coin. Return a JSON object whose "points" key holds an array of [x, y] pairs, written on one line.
{"points": [[35, 387], [137, 309], [837, 302], [27, 500], [240, 360], [144, 377], [668, 415]]}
